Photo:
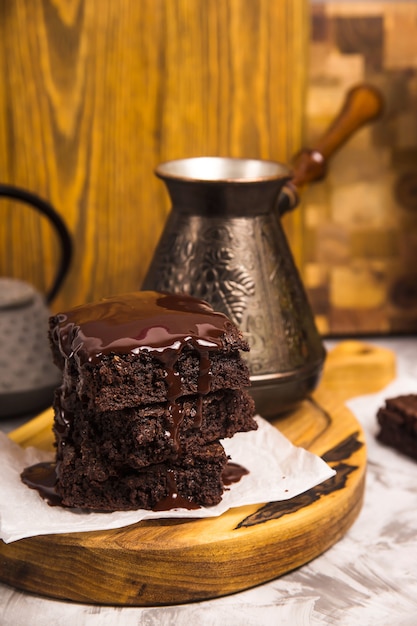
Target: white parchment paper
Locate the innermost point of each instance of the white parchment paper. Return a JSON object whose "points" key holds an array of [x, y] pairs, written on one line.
{"points": [[278, 470]]}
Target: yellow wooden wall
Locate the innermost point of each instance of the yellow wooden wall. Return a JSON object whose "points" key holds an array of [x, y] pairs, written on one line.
{"points": [[95, 93]]}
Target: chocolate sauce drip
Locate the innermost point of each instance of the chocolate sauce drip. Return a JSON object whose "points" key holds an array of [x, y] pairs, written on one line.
{"points": [[63, 418], [204, 376], [198, 417], [173, 500], [232, 473], [42, 477]]}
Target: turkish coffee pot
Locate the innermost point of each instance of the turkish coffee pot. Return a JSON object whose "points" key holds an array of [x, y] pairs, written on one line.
{"points": [[224, 242], [27, 375]]}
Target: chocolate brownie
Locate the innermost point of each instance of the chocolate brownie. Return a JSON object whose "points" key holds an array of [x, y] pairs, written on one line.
{"points": [[118, 381], [398, 424], [139, 436], [151, 383], [195, 480]]}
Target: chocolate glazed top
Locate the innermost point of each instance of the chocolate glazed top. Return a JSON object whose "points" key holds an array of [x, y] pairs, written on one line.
{"points": [[161, 324]]}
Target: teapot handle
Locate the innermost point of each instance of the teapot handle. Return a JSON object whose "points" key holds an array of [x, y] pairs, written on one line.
{"points": [[363, 103], [61, 229]]}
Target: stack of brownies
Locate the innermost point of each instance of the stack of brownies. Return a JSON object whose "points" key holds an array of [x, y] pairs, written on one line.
{"points": [[151, 383]]}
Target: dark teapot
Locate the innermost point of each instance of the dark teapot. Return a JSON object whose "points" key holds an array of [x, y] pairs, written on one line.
{"points": [[27, 375]]}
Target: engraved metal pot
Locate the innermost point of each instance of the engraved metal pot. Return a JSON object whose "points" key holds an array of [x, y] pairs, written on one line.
{"points": [[224, 242]]}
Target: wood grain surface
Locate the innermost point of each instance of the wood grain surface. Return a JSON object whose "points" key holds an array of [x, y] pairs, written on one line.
{"points": [[93, 95], [175, 561]]}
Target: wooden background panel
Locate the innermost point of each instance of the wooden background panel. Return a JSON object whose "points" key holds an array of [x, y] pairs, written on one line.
{"points": [[360, 224], [93, 95]]}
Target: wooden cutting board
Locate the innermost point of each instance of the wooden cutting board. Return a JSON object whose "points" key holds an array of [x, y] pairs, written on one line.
{"points": [[177, 561]]}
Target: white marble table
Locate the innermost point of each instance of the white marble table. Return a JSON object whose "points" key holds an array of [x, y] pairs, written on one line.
{"points": [[369, 578]]}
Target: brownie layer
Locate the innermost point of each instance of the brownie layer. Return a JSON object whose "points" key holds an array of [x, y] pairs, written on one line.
{"points": [[146, 347], [141, 436], [398, 424], [197, 479], [121, 381]]}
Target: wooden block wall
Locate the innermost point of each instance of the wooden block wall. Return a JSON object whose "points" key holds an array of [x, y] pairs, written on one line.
{"points": [[360, 225]]}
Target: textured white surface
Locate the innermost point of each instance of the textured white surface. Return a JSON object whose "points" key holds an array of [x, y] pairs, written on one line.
{"points": [[369, 578]]}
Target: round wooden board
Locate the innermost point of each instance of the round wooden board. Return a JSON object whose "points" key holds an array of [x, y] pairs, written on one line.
{"points": [[176, 561]]}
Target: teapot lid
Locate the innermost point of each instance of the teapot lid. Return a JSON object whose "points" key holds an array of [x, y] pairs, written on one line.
{"points": [[15, 293]]}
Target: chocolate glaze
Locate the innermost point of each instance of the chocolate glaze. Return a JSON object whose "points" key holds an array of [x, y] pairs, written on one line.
{"points": [[161, 324]]}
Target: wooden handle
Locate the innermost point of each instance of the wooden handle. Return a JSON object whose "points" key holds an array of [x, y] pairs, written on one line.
{"points": [[363, 104]]}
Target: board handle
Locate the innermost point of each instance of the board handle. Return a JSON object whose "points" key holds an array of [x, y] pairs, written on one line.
{"points": [[363, 104]]}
